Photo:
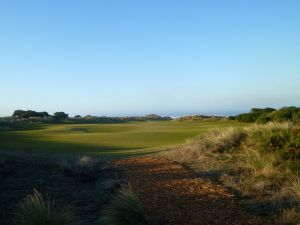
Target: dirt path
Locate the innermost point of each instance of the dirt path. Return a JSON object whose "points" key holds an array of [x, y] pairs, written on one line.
{"points": [[177, 196]]}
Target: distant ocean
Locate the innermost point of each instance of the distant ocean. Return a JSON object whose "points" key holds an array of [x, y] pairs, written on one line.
{"points": [[176, 114], [210, 113]]}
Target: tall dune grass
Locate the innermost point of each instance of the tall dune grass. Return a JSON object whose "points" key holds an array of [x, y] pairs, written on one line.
{"points": [[216, 141]]}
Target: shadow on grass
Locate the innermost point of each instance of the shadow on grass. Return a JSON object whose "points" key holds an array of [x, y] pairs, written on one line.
{"points": [[12, 141], [21, 126]]}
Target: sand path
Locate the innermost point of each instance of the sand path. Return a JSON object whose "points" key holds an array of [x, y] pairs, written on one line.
{"points": [[175, 195]]}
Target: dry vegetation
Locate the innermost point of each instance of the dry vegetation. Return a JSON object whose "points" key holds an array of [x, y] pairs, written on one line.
{"points": [[260, 163]]}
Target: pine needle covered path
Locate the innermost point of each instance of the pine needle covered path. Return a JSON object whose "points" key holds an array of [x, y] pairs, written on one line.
{"points": [[177, 196]]}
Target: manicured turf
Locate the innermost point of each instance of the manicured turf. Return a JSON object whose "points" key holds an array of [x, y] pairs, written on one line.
{"points": [[120, 139]]}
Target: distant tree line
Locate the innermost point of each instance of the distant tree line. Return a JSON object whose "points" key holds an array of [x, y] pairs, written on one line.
{"points": [[264, 115], [107, 119], [200, 117], [26, 114], [29, 115]]}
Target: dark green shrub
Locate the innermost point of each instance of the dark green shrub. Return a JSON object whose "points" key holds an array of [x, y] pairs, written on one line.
{"points": [[265, 115], [293, 146], [286, 142], [248, 117], [29, 113], [275, 139], [286, 113], [265, 110], [263, 118], [60, 115], [296, 117]]}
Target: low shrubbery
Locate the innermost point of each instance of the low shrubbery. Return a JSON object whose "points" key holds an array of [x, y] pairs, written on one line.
{"points": [[283, 140], [34, 210], [291, 114]]}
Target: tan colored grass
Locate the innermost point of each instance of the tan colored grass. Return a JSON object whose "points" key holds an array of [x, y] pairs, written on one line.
{"points": [[219, 140], [260, 163], [215, 141], [268, 126]]}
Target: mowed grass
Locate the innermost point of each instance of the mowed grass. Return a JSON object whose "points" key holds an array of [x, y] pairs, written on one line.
{"points": [[121, 139]]}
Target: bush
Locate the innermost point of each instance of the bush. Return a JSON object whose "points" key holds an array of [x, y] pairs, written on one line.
{"points": [[60, 115], [124, 209], [265, 110], [263, 118], [296, 117], [293, 146], [282, 140], [29, 113], [248, 117], [274, 139], [285, 114], [265, 115], [34, 210]]}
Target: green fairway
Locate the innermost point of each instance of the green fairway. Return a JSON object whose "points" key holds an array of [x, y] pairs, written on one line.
{"points": [[121, 139]]}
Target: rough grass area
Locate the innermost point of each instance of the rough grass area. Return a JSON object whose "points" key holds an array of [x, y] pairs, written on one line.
{"points": [[110, 140], [260, 163], [85, 184]]}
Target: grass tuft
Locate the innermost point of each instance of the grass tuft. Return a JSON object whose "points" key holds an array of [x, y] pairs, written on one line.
{"points": [[124, 209], [34, 210]]}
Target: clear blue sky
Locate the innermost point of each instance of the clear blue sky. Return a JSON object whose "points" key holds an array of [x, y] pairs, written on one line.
{"points": [[128, 57]]}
